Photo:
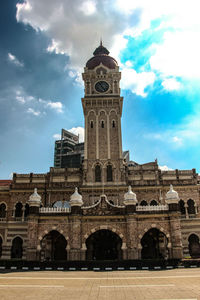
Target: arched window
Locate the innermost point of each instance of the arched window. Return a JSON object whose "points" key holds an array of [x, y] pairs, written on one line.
{"points": [[18, 210], [102, 124], [113, 124], [1, 243], [26, 212], [2, 210], [191, 208], [91, 124], [109, 173], [17, 249], [143, 203], [194, 246], [153, 203], [98, 173], [182, 207]]}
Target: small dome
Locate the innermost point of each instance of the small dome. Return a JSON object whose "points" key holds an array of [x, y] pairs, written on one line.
{"points": [[101, 56], [59, 204], [130, 198], [34, 199], [76, 198], [172, 196]]}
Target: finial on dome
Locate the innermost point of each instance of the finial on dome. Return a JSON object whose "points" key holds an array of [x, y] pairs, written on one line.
{"points": [[172, 196], [34, 199], [76, 198], [101, 44], [130, 197]]}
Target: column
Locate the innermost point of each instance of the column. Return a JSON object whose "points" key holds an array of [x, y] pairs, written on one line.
{"points": [[186, 211], [108, 135], [97, 137], [85, 139]]}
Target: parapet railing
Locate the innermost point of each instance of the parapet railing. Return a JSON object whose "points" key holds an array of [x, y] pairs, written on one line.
{"points": [[152, 207], [54, 210]]}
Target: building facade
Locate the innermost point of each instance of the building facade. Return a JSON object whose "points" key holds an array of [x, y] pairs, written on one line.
{"points": [[104, 208]]}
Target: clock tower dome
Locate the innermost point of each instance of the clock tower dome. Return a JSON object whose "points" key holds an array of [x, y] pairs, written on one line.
{"points": [[102, 106]]}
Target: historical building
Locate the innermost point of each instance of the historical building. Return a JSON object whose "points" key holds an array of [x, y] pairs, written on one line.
{"points": [[97, 205]]}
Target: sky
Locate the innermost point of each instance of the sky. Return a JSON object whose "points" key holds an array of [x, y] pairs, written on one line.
{"points": [[44, 46]]}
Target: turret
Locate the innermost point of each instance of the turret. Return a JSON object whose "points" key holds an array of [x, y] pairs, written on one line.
{"points": [[76, 202], [172, 199], [34, 202], [130, 200]]}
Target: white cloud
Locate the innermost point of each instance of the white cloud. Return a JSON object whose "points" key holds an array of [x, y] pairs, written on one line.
{"points": [[12, 58], [75, 28], [33, 112], [20, 99], [78, 131], [88, 7], [178, 55], [136, 82], [171, 84], [57, 136], [57, 106], [177, 140], [165, 168]]}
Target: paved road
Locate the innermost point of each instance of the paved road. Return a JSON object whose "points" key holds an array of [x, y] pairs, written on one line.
{"points": [[116, 285]]}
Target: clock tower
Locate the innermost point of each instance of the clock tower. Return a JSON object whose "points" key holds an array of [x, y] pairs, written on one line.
{"points": [[102, 106]]}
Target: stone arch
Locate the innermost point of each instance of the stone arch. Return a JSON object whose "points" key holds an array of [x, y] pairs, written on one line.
{"points": [[109, 172], [154, 244], [191, 206], [1, 245], [98, 173], [97, 228], [181, 205], [143, 203], [3, 209], [113, 110], [17, 247], [18, 209], [102, 110], [103, 244], [153, 202], [91, 111], [194, 245], [158, 226], [53, 246], [46, 231]]}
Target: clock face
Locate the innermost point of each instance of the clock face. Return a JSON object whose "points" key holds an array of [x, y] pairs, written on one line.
{"points": [[101, 86]]}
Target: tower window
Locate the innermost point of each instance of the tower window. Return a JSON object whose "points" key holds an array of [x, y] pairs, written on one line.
{"points": [[97, 173], [113, 124], [91, 124], [109, 173], [102, 124]]}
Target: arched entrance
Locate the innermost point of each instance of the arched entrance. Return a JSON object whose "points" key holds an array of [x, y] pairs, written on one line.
{"points": [[103, 245], [17, 248], [53, 246], [194, 246], [154, 245]]}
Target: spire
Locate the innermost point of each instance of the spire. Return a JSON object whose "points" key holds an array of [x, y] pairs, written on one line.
{"points": [[101, 50]]}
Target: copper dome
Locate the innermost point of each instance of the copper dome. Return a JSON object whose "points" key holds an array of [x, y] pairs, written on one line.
{"points": [[101, 56]]}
